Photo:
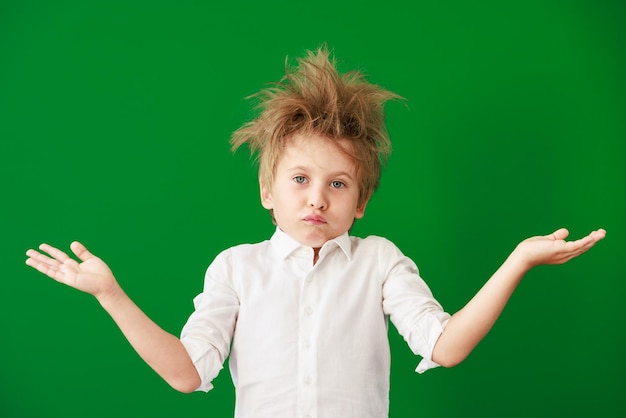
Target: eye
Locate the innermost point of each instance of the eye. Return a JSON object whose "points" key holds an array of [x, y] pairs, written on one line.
{"points": [[337, 184], [299, 179]]}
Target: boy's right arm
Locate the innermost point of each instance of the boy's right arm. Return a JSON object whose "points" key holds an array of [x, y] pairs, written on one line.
{"points": [[161, 350]]}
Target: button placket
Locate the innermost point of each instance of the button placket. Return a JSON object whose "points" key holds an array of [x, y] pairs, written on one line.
{"points": [[307, 358]]}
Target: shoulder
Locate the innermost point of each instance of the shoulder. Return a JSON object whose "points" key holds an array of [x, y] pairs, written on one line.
{"points": [[229, 257], [372, 243], [249, 252], [234, 262], [381, 251]]}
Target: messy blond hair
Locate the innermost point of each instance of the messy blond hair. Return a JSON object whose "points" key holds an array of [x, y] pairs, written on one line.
{"points": [[314, 99]]}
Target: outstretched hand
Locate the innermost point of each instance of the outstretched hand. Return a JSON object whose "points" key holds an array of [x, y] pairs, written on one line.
{"points": [[92, 275], [553, 249]]}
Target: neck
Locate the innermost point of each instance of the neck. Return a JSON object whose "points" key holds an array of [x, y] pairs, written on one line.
{"points": [[316, 255]]}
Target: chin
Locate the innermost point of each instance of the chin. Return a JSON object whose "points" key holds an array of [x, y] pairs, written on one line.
{"points": [[315, 242]]}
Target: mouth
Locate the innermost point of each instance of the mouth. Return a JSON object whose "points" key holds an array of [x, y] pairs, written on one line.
{"points": [[315, 220]]}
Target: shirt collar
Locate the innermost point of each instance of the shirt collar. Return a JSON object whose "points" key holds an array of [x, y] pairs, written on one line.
{"points": [[284, 245]]}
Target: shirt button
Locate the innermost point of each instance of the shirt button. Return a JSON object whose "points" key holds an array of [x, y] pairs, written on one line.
{"points": [[307, 380], [308, 310], [307, 416], [309, 279], [307, 344]]}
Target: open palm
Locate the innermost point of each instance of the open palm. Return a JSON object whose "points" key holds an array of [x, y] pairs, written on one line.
{"points": [[91, 275], [553, 249]]}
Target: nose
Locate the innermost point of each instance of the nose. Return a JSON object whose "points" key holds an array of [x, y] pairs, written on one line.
{"points": [[317, 198]]}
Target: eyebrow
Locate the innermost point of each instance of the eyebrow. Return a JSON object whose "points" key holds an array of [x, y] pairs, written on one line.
{"points": [[334, 174]]}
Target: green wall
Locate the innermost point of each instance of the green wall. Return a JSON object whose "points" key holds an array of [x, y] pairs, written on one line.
{"points": [[114, 127]]}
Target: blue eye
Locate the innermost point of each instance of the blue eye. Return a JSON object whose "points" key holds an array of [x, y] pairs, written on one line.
{"points": [[299, 179], [337, 184]]}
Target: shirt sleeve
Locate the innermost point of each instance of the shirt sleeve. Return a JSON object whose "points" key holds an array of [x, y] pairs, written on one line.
{"points": [[209, 330], [410, 304]]}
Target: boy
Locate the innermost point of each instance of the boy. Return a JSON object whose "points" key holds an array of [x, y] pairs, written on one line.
{"points": [[304, 314]]}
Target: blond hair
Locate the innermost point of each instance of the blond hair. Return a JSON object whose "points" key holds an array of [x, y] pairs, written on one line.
{"points": [[314, 99]]}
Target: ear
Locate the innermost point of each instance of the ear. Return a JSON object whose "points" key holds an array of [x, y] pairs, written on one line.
{"points": [[266, 196], [360, 210]]}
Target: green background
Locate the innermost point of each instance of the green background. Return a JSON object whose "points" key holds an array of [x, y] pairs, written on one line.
{"points": [[114, 126]]}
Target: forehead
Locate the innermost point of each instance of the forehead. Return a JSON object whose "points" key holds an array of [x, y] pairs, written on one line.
{"points": [[315, 151]]}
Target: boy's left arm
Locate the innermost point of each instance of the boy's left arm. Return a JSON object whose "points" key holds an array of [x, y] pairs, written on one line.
{"points": [[469, 325]]}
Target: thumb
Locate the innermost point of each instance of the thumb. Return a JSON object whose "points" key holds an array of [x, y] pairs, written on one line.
{"points": [[81, 251], [559, 234]]}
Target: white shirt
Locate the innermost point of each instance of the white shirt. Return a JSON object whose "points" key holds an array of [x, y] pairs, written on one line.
{"points": [[310, 340]]}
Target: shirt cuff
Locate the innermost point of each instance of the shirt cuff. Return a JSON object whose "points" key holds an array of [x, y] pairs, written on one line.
{"points": [[435, 328], [205, 362], [426, 365]]}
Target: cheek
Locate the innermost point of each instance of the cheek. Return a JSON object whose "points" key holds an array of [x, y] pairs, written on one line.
{"points": [[283, 201]]}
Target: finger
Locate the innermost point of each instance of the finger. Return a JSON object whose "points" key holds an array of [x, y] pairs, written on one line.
{"points": [[81, 251], [598, 234], [49, 270], [559, 234], [37, 257], [54, 252], [578, 247], [592, 238]]}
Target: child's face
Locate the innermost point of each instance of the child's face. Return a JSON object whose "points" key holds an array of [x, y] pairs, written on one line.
{"points": [[315, 191]]}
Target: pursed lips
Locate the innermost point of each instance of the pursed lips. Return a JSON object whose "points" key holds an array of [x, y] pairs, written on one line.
{"points": [[315, 219]]}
